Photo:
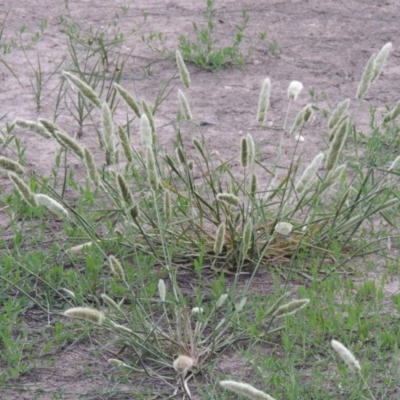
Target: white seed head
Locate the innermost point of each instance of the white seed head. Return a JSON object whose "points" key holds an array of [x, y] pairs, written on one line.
{"points": [[161, 289], [80, 247], [128, 98], [245, 389], [380, 60], [23, 189], [52, 205], [86, 313], [346, 355], [294, 90], [116, 267], [184, 105], [309, 174], [84, 88], [183, 364], [197, 310], [290, 308], [229, 198], [183, 72], [220, 238], [221, 300], [10, 165], [263, 101], [366, 78], [33, 126], [146, 135], [284, 228]]}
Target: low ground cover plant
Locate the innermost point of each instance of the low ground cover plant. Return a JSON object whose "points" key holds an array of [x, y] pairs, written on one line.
{"points": [[163, 212]]}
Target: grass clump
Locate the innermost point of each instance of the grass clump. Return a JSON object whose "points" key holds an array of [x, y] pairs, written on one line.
{"points": [[167, 213]]}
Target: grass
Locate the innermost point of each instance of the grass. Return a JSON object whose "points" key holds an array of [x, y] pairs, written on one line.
{"points": [[170, 266]]}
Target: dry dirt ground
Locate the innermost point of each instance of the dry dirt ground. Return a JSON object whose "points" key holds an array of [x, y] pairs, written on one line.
{"points": [[325, 45]]}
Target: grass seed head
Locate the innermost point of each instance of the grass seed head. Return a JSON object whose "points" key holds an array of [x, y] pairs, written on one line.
{"points": [[366, 78], [69, 143], [290, 308], [23, 189], [151, 168], [247, 234], [253, 184], [200, 148], [245, 389], [86, 313], [111, 303], [149, 114], [184, 105], [183, 364], [167, 204], [380, 60], [116, 268], [338, 113], [244, 152], [84, 88], [33, 126], [229, 199], [108, 134], [283, 228], [128, 98], [308, 177], [220, 238], [337, 145], [346, 355], [183, 72], [263, 101], [393, 114], [124, 190], [54, 206], [161, 289], [91, 167], [9, 165], [145, 131], [294, 90], [50, 127]]}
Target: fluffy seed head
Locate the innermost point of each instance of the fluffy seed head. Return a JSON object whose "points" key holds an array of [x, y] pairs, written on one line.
{"points": [[346, 355], [116, 268], [128, 98], [284, 228], [380, 60], [245, 389], [108, 134], [300, 118], [134, 212], [263, 101], [84, 88], [151, 168], [183, 72], [183, 364], [184, 105], [110, 302], [124, 190], [145, 131], [91, 167], [52, 205], [50, 127], [80, 247], [253, 184], [220, 238], [161, 289], [308, 176], [244, 152], [395, 164], [200, 148], [252, 148], [220, 302], [23, 189], [229, 198], [247, 233], [9, 165], [149, 114], [338, 113], [117, 363], [69, 143], [290, 308], [86, 313], [33, 126], [294, 90], [366, 78], [393, 114], [337, 145]]}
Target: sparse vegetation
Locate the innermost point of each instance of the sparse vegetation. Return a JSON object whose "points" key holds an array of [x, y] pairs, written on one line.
{"points": [[156, 253]]}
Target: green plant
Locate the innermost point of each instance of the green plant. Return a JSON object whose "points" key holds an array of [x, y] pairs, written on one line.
{"points": [[155, 220], [204, 50]]}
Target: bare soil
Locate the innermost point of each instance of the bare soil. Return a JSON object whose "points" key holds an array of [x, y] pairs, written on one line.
{"points": [[325, 45]]}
